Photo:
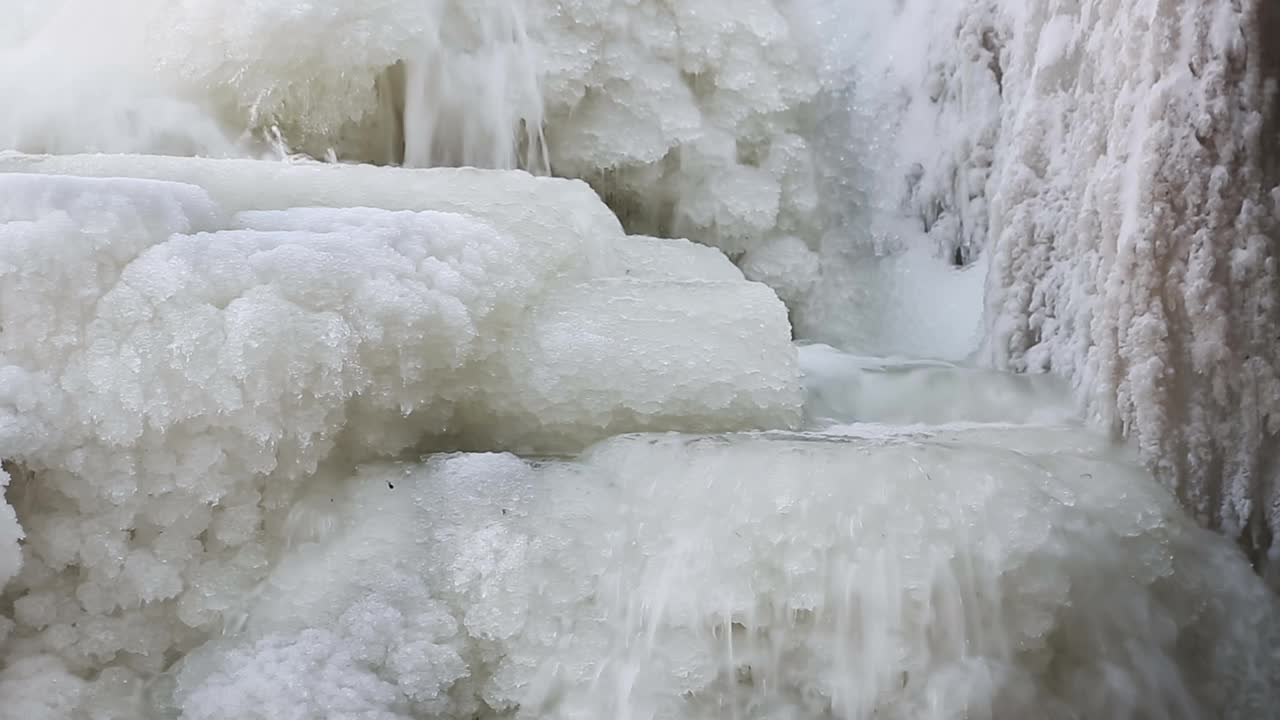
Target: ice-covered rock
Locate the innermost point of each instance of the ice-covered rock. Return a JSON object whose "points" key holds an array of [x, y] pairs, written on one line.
{"points": [[566, 218], [183, 364], [651, 258]]}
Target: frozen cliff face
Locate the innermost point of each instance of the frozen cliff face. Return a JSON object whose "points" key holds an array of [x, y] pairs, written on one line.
{"points": [[1116, 162], [1139, 256], [753, 577]]}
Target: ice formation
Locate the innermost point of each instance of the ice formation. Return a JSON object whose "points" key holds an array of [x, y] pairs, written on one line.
{"points": [[1114, 161], [182, 362], [226, 385], [1142, 263]]}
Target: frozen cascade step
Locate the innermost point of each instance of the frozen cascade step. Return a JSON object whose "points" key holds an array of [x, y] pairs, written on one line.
{"points": [[912, 577], [550, 211], [186, 358]]}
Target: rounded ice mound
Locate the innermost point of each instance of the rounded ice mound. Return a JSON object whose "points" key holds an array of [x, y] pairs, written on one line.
{"points": [[563, 217], [1002, 575], [565, 376]]}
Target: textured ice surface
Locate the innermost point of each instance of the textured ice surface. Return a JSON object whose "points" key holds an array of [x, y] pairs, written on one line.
{"points": [[653, 258], [1141, 260], [1115, 161], [948, 575], [691, 116], [10, 552], [619, 354], [187, 380], [182, 371]]}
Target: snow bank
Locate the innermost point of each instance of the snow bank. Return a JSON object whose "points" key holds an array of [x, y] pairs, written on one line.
{"points": [[179, 366], [906, 577], [581, 232]]}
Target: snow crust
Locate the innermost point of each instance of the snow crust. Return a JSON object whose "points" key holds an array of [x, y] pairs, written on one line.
{"points": [[205, 364], [941, 574], [1141, 262]]}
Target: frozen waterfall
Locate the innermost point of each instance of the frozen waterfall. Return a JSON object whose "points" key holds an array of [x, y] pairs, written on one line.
{"points": [[639, 359]]}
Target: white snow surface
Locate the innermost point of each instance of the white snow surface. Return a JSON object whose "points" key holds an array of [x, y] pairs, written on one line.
{"points": [[691, 114], [206, 365]]}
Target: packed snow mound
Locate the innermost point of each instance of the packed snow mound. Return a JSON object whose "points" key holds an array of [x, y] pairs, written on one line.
{"points": [[1142, 260], [964, 575], [178, 368]]}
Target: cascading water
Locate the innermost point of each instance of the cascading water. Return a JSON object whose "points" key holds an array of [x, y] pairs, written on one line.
{"points": [[286, 438]]}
